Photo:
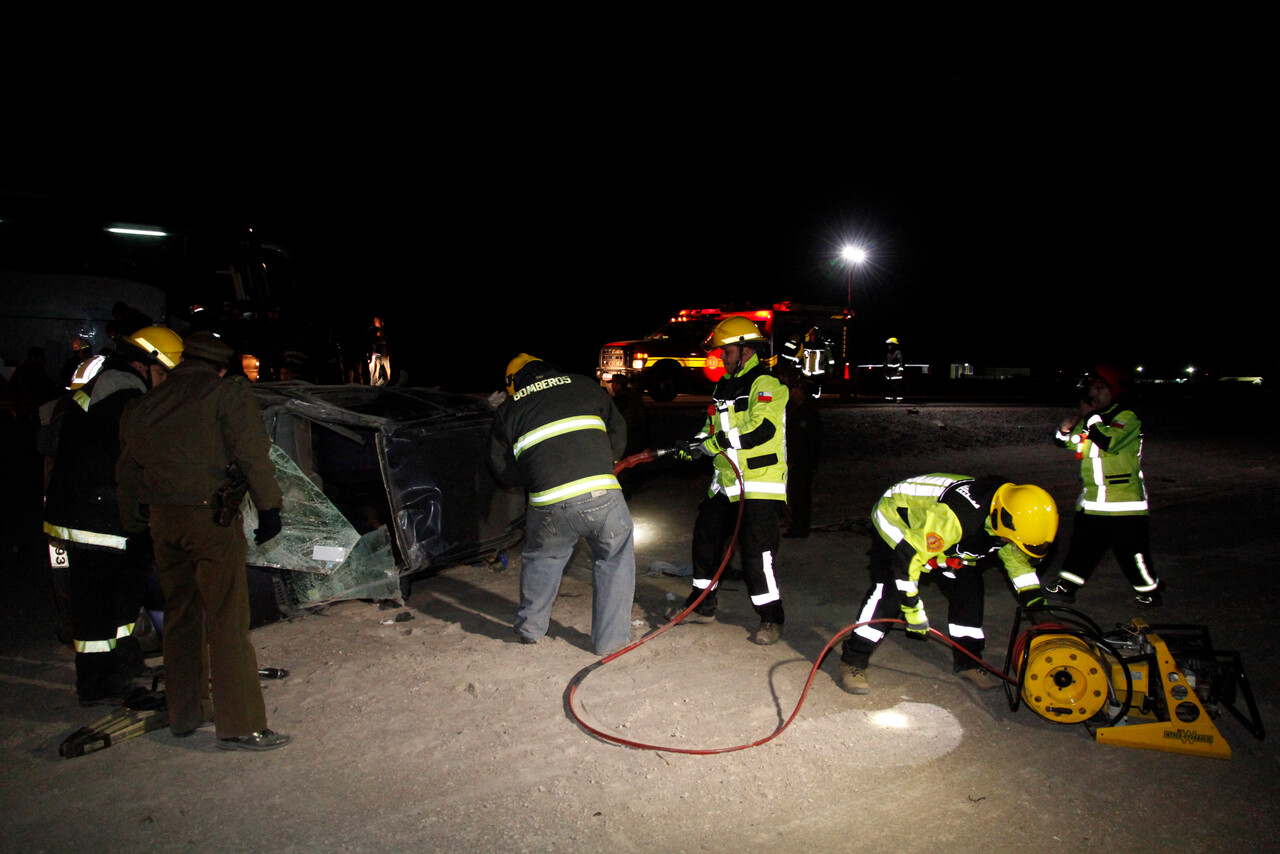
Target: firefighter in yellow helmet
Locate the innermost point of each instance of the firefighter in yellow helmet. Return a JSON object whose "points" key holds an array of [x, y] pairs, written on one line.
{"points": [[558, 436], [948, 523], [746, 426]]}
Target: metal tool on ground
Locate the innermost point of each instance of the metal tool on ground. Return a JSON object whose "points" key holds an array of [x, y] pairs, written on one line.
{"points": [[142, 713], [1154, 687]]}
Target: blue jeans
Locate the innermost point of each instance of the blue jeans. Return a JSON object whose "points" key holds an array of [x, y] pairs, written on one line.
{"points": [[603, 519]]}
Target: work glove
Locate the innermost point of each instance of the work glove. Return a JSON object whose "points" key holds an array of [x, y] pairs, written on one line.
{"points": [[689, 450], [917, 621], [269, 526]]}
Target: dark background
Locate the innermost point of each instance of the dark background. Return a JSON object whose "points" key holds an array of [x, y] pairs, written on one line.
{"points": [[1034, 193]]}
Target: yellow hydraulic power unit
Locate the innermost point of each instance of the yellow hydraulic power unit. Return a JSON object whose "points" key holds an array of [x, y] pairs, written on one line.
{"points": [[1155, 687]]}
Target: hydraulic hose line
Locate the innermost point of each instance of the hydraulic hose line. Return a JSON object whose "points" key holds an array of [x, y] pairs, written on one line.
{"points": [[578, 678]]}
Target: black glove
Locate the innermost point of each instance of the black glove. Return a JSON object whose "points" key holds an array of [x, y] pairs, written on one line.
{"points": [[268, 526]]}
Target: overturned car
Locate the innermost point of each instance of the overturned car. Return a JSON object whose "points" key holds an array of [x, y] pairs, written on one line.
{"points": [[381, 485]]}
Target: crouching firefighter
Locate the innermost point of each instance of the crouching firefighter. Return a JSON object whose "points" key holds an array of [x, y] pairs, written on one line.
{"points": [[948, 523], [747, 422], [107, 567]]}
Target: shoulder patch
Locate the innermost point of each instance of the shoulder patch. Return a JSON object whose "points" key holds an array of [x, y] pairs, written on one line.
{"points": [[764, 396], [933, 542]]}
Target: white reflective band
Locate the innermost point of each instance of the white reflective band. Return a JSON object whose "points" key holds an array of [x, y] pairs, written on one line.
{"points": [[868, 612], [887, 528], [88, 538], [1025, 581], [1112, 506], [569, 490], [1072, 577], [556, 428], [770, 583], [908, 587], [702, 583], [734, 437], [758, 486], [95, 646], [958, 631], [922, 486], [1150, 582]]}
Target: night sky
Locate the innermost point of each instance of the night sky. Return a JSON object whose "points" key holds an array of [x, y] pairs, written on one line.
{"points": [[1013, 217]]}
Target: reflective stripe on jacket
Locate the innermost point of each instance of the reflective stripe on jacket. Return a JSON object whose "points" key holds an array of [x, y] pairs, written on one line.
{"points": [[748, 422], [1109, 447], [557, 436]]}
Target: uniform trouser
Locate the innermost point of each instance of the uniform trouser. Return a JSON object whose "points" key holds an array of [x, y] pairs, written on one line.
{"points": [[757, 547], [206, 622], [602, 518], [106, 596], [1129, 538], [965, 593]]}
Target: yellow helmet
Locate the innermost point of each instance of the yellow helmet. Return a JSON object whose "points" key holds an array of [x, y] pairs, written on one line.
{"points": [[85, 371], [892, 341], [157, 344], [515, 366], [734, 330], [1027, 516]]}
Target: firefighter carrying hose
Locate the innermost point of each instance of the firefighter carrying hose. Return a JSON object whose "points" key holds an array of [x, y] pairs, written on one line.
{"points": [[746, 422], [948, 523]]}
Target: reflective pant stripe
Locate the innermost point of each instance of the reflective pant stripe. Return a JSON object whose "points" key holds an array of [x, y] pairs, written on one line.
{"points": [[958, 631], [871, 633], [104, 645], [771, 583], [1072, 577], [1151, 583], [1103, 507]]}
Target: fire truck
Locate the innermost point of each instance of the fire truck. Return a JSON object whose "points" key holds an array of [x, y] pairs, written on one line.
{"points": [[670, 360]]}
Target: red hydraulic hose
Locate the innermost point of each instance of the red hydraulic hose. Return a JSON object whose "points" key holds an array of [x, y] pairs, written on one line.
{"points": [[581, 675]]}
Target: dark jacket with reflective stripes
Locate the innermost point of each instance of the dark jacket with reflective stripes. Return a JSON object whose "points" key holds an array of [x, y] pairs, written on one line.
{"points": [[557, 436], [80, 503]]}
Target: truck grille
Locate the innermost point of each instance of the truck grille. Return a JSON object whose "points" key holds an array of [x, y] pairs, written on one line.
{"points": [[612, 359]]}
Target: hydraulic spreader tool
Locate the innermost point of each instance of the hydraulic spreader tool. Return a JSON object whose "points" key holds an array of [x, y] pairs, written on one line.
{"points": [[1158, 687]]}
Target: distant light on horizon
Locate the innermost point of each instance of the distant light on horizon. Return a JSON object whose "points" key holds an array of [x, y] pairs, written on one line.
{"points": [[145, 232]]}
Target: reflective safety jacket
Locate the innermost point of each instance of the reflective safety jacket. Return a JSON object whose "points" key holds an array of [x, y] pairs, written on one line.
{"points": [[558, 436], [1109, 446], [747, 420], [81, 506], [942, 521]]}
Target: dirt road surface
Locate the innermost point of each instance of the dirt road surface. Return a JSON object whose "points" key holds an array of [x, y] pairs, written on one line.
{"points": [[440, 733]]}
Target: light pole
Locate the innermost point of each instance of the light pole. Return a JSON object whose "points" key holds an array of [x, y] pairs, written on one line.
{"points": [[853, 256]]}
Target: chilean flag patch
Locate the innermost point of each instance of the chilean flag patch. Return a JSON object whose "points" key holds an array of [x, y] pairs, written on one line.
{"points": [[764, 397]]}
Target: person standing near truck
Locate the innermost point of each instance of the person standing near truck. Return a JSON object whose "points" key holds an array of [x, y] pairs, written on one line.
{"points": [[746, 429]]}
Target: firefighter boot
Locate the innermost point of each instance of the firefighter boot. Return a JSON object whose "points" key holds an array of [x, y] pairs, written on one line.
{"points": [[853, 680], [768, 634]]}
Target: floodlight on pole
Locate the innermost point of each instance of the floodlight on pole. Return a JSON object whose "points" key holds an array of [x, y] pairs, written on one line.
{"points": [[853, 256]]}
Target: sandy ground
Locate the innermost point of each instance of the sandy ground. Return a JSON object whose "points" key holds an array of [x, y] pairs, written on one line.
{"points": [[442, 733]]}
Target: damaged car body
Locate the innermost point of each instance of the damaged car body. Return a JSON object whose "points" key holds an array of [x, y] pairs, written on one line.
{"points": [[382, 484]]}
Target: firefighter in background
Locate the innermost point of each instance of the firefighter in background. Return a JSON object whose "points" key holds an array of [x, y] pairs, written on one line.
{"points": [[1112, 509], [746, 421], [107, 567], [948, 523], [895, 378], [802, 365]]}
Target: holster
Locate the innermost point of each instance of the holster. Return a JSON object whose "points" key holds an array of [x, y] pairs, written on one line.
{"points": [[230, 496]]}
